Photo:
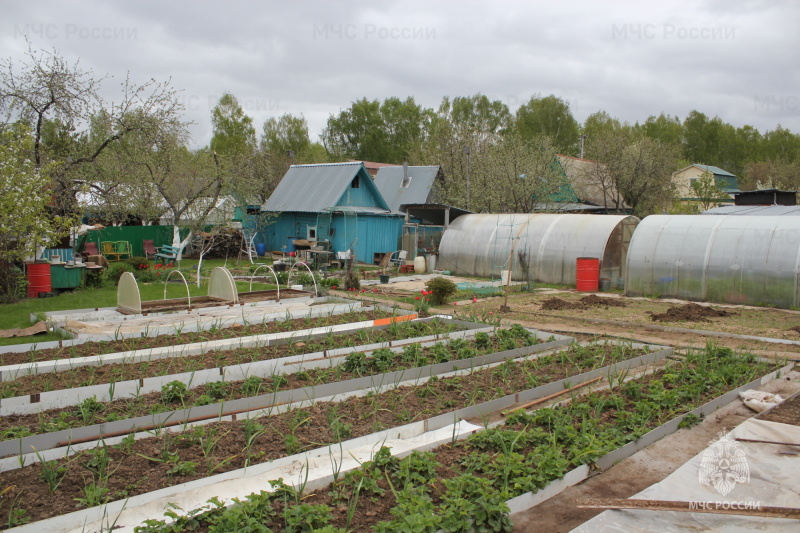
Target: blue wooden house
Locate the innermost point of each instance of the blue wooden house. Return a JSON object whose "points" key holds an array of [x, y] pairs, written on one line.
{"points": [[335, 204]]}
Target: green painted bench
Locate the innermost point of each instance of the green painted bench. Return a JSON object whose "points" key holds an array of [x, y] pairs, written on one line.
{"points": [[167, 254]]}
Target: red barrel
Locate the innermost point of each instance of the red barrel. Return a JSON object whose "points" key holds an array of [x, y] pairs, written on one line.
{"points": [[587, 275], [38, 279]]}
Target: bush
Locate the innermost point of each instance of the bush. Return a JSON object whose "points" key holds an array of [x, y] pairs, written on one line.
{"points": [[137, 263], [351, 281], [115, 271], [13, 283], [330, 282], [441, 289], [146, 276]]}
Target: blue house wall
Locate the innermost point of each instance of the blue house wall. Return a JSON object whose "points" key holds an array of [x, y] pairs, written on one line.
{"points": [[374, 233]]}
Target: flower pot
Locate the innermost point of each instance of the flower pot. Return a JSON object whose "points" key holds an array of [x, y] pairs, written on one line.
{"points": [[384, 278]]}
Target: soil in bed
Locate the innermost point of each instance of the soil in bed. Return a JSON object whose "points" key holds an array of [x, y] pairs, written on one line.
{"points": [[587, 302], [545, 445], [787, 412], [237, 330], [94, 375], [690, 313], [150, 464]]}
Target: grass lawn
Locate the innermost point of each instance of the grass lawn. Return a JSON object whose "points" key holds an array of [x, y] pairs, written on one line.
{"points": [[18, 315]]}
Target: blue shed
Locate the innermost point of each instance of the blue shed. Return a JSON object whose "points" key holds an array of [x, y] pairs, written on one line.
{"points": [[335, 203]]}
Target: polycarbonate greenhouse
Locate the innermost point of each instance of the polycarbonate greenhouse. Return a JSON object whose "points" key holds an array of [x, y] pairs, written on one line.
{"points": [[545, 246], [733, 259]]}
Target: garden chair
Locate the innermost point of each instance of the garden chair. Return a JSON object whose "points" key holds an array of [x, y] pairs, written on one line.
{"points": [[149, 248], [89, 248], [400, 259], [109, 252], [123, 248]]}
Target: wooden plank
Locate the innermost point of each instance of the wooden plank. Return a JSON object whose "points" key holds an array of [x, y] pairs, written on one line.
{"points": [[713, 507], [551, 396]]}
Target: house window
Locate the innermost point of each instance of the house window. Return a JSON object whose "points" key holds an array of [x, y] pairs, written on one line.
{"points": [[311, 233], [354, 184]]}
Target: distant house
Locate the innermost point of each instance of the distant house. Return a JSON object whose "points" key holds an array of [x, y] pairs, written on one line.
{"points": [[593, 186], [683, 179], [764, 202], [335, 205]]}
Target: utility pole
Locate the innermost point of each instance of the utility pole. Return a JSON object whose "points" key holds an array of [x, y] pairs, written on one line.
{"points": [[583, 138], [467, 152]]}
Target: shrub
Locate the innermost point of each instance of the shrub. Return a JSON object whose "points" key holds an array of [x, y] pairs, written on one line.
{"points": [[146, 276], [13, 283], [115, 271], [137, 263], [441, 289], [351, 281]]}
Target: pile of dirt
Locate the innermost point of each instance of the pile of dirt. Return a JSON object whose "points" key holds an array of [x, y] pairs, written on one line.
{"points": [[689, 313], [592, 300], [557, 304], [796, 329]]}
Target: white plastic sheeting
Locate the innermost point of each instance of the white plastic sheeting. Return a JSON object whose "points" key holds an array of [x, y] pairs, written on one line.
{"points": [[772, 481], [481, 245], [733, 259]]}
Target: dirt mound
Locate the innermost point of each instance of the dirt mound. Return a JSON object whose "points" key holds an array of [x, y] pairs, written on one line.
{"points": [[592, 300], [796, 329], [689, 313], [557, 304]]}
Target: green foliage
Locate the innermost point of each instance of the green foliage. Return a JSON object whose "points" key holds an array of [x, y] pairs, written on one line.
{"points": [[375, 131], [252, 385], [306, 518], [115, 271], [174, 391], [24, 196], [549, 116], [234, 133], [442, 289]]}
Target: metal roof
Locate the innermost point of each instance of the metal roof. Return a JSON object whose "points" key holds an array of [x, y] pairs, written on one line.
{"points": [[313, 188], [389, 181], [758, 210], [715, 170]]}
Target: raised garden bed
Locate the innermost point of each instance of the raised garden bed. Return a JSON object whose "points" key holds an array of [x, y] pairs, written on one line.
{"points": [[296, 430], [277, 370], [468, 484]]}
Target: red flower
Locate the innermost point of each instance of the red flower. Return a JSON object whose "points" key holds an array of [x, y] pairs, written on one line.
{"points": [[455, 303], [374, 290], [417, 298], [474, 299], [333, 287]]}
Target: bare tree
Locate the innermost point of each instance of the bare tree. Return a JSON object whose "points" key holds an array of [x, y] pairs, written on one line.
{"points": [[45, 88]]}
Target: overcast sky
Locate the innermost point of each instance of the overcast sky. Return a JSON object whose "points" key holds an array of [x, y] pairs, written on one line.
{"points": [[735, 59]]}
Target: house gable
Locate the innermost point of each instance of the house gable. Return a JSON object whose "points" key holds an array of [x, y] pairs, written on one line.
{"points": [[362, 192]]}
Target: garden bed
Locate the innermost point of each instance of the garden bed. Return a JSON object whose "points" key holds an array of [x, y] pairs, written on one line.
{"points": [[196, 359], [155, 460], [282, 372], [468, 483]]}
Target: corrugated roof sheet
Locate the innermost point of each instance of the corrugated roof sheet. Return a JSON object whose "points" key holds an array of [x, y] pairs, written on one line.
{"points": [[389, 181], [757, 210], [313, 188]]}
